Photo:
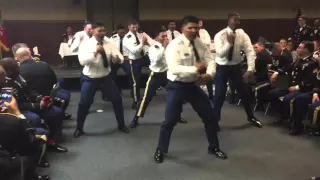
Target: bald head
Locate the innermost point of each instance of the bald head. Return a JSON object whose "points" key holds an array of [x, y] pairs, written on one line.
{"points": [[2, 77], [277, 49], [23, 53]]}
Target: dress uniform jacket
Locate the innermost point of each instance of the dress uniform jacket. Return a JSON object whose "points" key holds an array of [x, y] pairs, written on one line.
{"points": [[28, 99], [262, 61], [16, 137], [301, 73], [39, 76], [279, 62], [316, 34], [305, 34]]}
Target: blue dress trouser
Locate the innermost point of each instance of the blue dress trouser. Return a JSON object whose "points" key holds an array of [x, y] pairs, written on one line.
{"points": [[177, 93], [88, 90]]}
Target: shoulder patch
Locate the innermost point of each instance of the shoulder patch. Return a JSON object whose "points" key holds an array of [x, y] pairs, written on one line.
{"points": [[129, 36], [156, 46]]}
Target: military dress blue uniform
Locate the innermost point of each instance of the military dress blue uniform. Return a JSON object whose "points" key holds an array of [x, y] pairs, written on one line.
{"points": [[300, 104], [29, 103], [96, 74], [228, 59], [136, 53], [300, 73], [157, 77], [181, 56]]}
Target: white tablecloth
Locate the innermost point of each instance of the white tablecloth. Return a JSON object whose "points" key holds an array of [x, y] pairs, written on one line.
{"points": [[64, 50]]}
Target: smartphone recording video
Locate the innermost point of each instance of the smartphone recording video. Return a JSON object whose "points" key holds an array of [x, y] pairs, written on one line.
{"points": [[5, 95]]}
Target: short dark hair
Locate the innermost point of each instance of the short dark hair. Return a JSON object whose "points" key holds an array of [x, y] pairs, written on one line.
{"points": [[96, 25], [6, 63], [86, 23], [157, 32], [304, 17], [284, 39], [170, 21], [233, 14], [133, 22], [260, 43], [308, 45], [120, 26], [190, 19]]}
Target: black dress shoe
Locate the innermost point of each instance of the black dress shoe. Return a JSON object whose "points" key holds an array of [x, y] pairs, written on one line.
{"points": [[67, 116], [124, 129], [182, 121], [134, 122], [77, 133], [218, 153], [314, 133], [43, 177], [44, 164], [255, 122], [158, 156], [295, 132], [57, 148], [315, 178], [134, 105]]}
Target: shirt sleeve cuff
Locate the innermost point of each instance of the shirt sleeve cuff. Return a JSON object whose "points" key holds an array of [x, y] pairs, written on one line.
{"points": [[21, 116], [297, 87]]}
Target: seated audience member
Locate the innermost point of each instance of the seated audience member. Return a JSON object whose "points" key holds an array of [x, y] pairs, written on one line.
{"points": [[283, 43], [290, 48], [36, 56], [41, 78], [280, 57], [300, 73], [262, 85], [29, 100], [17, 137], [300, 104], [34, 122], [68, 35]]}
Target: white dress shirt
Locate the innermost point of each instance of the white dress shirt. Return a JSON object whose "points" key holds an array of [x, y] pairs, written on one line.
{"points": [[130, 43], [242, 42], [116, 40], [76, 41], [150, 41], [93, 65], [181, 59], [175, 33], [157, 59], [205, 37]]}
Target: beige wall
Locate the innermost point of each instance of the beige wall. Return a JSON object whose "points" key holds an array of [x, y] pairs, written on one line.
{"points": [[42, 10], [214, 9]]}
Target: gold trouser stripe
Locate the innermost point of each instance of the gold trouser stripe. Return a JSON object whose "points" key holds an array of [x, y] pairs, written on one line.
{"points": [[134, 83], [291, 106], [44, 146], [145, 94], [62, 102], [259, 87], [36, 58], [315, 115]]}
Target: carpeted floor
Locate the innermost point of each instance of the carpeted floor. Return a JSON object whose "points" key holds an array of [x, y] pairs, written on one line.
{"points": [[254, 154]]}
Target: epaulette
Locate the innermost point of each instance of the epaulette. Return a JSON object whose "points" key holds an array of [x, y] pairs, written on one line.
{"points": [[129, 36], [114, 36], [156, 46]]}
